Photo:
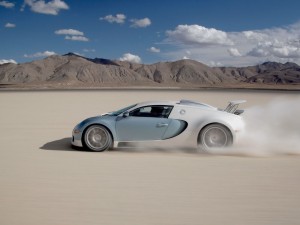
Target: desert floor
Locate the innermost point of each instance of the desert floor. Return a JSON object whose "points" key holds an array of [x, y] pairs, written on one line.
{"points": [[43, 181]]}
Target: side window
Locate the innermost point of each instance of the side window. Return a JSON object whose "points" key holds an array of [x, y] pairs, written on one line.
{"points": [[152, 111], [141, 112]]}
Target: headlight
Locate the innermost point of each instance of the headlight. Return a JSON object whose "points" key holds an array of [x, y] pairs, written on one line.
{"points": [[76, 131]]}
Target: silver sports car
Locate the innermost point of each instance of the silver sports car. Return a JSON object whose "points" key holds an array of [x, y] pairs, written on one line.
{"points": [[182, 123]]}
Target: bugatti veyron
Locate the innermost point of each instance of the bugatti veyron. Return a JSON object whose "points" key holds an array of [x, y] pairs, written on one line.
{"points": [[182, 123]]}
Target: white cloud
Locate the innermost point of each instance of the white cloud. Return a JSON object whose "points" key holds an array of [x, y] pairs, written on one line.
{"points": [[7, 4], [279, 44], [254, 35], [72, 32], [76, 38], [286, 51], [257, 52], [51, 8], [3, 61], [275, 43], [118, 18], [131, 58], [137, 23], [198, 35], [154, 50], [215, 64], [275, 49], [10, 25], [40, 54], [234, 52]]}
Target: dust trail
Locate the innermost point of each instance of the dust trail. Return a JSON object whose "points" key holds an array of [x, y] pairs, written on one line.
{"points": [[271, 129]]}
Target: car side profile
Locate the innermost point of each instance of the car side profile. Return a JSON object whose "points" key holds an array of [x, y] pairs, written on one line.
{"points": [[185, 122]]}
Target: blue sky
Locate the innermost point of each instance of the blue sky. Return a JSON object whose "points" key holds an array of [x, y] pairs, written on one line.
{"points": [[215, 32]]}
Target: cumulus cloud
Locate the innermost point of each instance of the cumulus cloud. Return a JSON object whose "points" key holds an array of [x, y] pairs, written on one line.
{"points": [[188, 52], [7, 4], [234, 52], [198, 35], [258, 52], [276, 49], [286, 51], [3, 61], [40, 54], [215, 64], [51, 8], [118, 18], [154, 50], [72, 34], [139, 23], [131, 58], [10, 25], [68, 32], [279, 44], [254, 35], [76, 38]]}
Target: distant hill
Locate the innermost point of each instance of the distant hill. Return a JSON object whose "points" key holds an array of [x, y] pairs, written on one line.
{"points": [[276, 73], [74, 70]]}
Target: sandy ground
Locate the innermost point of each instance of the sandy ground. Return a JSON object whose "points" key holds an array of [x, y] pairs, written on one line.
{"points": [[45, 182]]}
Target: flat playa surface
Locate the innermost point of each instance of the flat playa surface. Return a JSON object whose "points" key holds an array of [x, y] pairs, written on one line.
{"points": [[45, 182]]}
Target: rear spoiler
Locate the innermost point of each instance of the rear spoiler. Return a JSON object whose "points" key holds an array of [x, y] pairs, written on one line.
{"points": [[233, 107]]}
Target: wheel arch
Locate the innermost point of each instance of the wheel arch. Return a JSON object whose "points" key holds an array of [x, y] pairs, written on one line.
{"points": [[218, 123], [101, 124]]}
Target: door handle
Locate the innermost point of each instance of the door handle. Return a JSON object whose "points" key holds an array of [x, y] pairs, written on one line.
{"points": [[162, 125]]}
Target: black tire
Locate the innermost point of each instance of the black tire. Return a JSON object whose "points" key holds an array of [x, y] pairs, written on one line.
{"points": [[214, 136], [97, 138]]}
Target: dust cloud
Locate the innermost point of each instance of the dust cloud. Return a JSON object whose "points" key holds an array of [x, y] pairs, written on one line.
{"points": [[272, 129]]}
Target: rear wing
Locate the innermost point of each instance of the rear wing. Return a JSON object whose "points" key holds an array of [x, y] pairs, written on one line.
{"points": [[233, 107]]}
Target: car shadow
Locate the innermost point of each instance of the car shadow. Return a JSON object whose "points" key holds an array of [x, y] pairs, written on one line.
{"points": [[155, 150], [63, 144]]}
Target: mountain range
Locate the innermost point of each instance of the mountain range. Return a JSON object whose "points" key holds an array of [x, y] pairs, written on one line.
{"points": [[71, 70]]}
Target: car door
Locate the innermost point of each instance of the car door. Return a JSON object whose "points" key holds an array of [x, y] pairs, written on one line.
{"points": [[144, 124]]}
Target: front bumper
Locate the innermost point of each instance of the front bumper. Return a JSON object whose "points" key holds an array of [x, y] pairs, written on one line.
{"points": [[76, 143], [76, 139]]}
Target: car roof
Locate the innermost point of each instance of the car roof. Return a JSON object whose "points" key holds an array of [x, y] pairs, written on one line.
{"points": [[156, 103], [179, 102]]}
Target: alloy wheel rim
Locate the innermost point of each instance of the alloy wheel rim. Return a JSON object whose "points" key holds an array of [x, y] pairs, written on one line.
{"points": [[215, 137], [97, 138]]}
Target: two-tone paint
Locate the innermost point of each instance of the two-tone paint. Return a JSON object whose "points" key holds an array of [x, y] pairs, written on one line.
{"points": [[182, 127]]}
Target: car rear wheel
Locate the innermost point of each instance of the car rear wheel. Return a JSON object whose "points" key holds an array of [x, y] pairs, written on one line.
{"points": [[214, 136], [97, 138]]}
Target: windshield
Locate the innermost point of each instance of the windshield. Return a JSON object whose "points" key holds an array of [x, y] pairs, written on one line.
{"points": [[118, 112]]}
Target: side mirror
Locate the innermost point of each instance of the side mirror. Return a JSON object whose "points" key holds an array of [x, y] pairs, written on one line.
{"points": [[125, 114]]}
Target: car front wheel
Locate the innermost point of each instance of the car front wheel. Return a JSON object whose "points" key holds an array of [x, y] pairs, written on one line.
{"points": [[214, 136], [97, 138]]}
